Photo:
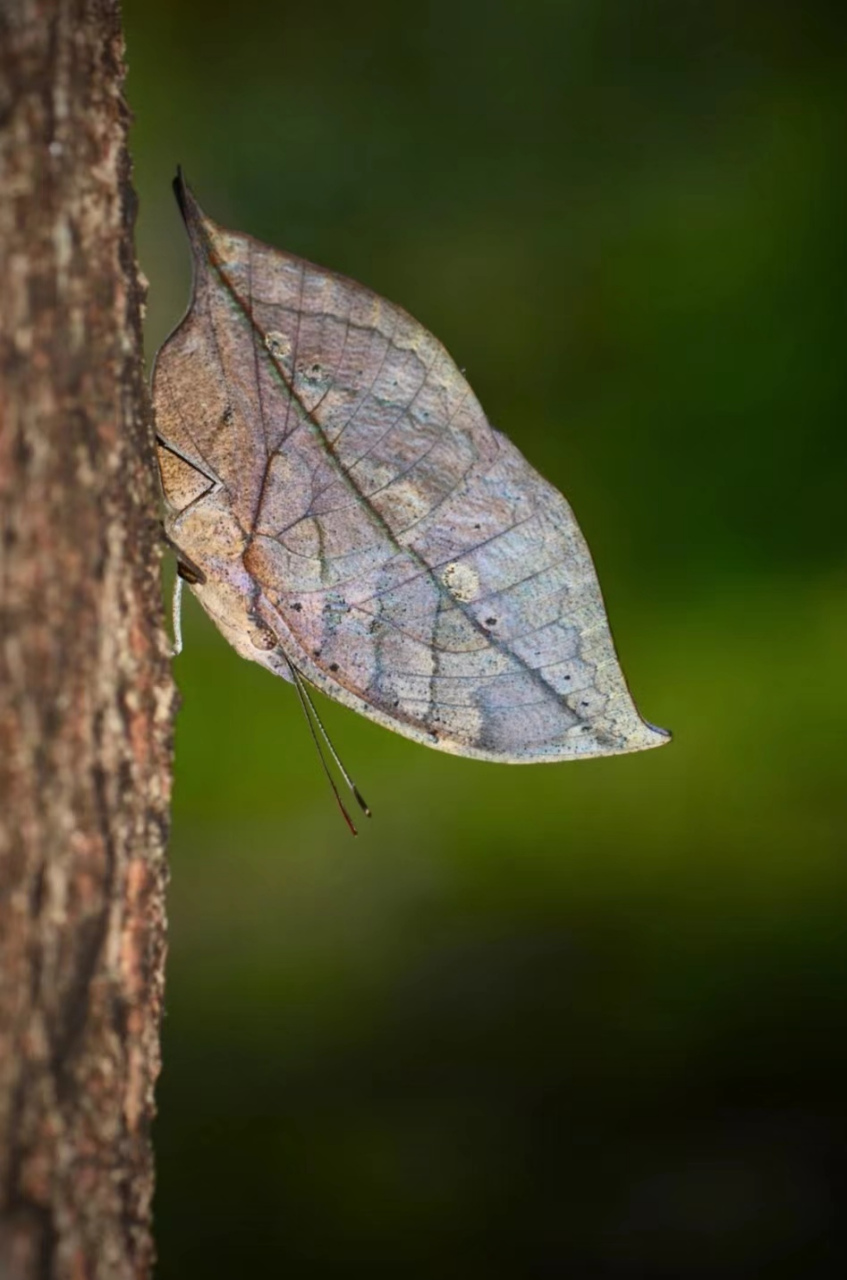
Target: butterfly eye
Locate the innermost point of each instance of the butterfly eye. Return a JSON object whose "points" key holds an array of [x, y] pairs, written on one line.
{"points": [[261, 636]]}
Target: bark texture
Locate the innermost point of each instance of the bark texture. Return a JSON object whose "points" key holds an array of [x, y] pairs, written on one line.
{"points": [[86, 700]]}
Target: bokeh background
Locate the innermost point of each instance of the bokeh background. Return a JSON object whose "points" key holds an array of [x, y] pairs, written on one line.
{"points": [[582, 1020]]}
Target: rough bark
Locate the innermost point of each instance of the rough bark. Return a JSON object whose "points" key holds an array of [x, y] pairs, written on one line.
{"points": [[86, 700]]}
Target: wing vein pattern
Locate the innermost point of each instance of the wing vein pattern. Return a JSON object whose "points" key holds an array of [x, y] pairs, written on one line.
{"points": [[401, 552]]}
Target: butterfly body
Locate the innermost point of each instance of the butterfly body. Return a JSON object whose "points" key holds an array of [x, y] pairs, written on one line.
{"points": [[348, 511]]}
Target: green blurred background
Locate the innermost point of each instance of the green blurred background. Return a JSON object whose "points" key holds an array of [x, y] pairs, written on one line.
{"points": [[580, 1020]]}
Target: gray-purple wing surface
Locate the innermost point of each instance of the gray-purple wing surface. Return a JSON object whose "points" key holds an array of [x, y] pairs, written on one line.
{"points": [[346, 509]]}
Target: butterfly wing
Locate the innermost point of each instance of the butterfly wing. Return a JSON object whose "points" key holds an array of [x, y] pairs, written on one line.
{"points": [[356, 516]]}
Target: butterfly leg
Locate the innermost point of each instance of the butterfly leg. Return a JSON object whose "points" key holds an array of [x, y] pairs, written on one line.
{"points": [[176, 616], [185, 572]]}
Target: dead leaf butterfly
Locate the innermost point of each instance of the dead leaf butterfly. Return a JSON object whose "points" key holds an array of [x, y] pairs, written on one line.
{"points": [[347, 516]]}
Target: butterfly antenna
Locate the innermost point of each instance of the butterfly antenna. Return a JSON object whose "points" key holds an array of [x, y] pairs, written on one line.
{"points": [[305, 696], [307, 707]]}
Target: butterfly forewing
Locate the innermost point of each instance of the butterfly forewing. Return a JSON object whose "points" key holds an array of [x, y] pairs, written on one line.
{"points": [[363, 522]]}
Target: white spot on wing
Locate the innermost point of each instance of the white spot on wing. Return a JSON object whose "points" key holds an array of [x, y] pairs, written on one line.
{"points": [[461, 581]]}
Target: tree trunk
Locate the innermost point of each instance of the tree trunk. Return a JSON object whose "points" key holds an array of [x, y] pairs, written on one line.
{"points": [[86, 701]]}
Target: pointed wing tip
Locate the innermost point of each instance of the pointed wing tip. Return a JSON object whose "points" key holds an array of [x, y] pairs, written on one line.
{"points": [[181, 191], [657, 737], [190, 210]]}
